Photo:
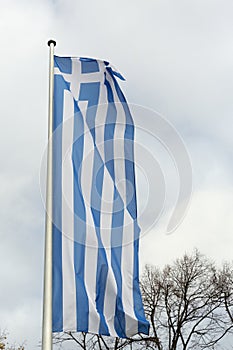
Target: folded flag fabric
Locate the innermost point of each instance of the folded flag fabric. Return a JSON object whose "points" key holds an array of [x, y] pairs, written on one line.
{"points": [[95, 229]]}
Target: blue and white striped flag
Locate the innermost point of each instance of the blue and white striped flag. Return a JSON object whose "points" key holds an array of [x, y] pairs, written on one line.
{"points": [[95, 230]]}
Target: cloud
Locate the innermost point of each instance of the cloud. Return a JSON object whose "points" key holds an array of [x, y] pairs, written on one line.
{"points": [[207, 224], [207, 227]]}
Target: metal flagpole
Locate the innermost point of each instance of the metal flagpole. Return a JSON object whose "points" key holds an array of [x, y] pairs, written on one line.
{"points": [[47, 298]]}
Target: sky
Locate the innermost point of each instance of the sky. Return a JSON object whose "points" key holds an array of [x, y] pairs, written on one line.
{"points": [[177, 59]]}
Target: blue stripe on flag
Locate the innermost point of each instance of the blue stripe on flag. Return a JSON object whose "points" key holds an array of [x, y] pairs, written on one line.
{"points": [[57, 302], [109, 130], [143, 324], [59, 87], [116, 254]]}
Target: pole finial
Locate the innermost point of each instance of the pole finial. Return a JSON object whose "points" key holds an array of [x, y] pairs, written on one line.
{"points": [[51, 41]]}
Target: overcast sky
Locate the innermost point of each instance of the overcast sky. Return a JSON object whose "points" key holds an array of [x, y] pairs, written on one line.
{"points": [[177, 58]]}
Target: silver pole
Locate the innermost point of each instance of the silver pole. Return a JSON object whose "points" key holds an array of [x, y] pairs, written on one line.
{"points": [[47, 298]]}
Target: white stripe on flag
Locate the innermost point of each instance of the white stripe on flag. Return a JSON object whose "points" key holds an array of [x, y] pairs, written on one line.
{"points": [[91, 247], [106, 223]]}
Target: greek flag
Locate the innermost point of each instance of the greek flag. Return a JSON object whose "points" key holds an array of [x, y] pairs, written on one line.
{"points": [[95, 229]]}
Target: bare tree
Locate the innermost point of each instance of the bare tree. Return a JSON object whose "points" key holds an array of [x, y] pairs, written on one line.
{"points": [[4, 344], [183, 304], [87, 341], [224, 286]]}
